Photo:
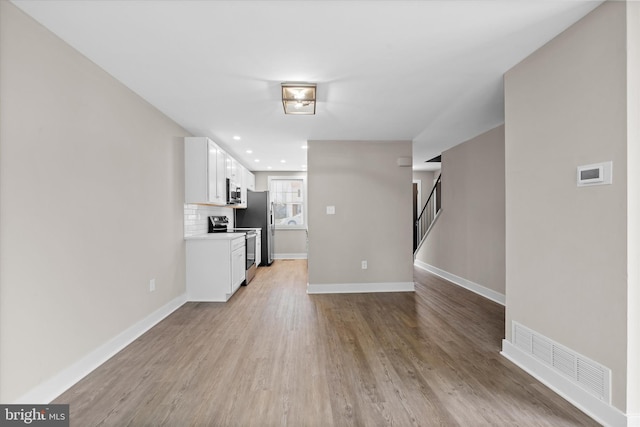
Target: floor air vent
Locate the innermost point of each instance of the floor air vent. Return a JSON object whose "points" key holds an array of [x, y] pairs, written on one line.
{"points": [[584, 372]]}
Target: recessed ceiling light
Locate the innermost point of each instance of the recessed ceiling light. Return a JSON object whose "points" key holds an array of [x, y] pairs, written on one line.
{"points": [[304, 147], [269, 167], [236, 137], [257, 160], [283, 161], [249, 151], [304, 166]]}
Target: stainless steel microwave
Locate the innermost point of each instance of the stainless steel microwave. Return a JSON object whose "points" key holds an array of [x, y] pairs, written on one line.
{"points": [[233, 193]]}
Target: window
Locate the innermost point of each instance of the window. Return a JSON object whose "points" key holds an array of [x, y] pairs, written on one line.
{"points": [[289, 204]]}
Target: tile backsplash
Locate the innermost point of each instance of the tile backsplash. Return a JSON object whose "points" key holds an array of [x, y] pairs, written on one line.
{"points": [[196, 217]]}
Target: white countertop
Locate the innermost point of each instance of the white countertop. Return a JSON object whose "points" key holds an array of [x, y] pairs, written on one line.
{"points": [[215, 236]]}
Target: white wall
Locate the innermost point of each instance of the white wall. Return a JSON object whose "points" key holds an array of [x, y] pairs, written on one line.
{"points": [[566, 262], [373, 219], [467, 240], [633, 203], [91, 206]]}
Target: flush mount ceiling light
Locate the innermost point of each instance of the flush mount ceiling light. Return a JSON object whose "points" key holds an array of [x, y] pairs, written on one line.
{"points": [[299, 98]]}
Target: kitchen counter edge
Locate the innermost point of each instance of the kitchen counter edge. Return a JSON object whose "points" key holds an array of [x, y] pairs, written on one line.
{"points": [[214, 236]]}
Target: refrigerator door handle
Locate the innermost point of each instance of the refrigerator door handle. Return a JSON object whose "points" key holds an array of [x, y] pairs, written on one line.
{"points": [[271, 215]]}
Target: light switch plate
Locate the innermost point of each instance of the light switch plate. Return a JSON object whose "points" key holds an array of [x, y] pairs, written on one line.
{"points": [[331, 210]]}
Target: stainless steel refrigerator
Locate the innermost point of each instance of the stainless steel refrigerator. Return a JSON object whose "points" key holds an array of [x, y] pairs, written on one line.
{"points": [[259, 213]]}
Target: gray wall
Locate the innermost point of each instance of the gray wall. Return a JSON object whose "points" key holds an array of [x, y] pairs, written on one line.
{"points": [[468, 238], [91, 206], [372, 197], [566, 265], [287, 243], [633, 207]]}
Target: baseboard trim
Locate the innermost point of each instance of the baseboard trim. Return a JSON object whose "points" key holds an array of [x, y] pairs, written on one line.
{"points": [[460, 281], [59, 383], [357, 288], [290, 256], [597, 409]]}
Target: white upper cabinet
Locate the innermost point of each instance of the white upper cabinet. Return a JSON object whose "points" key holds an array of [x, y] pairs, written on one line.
{"points": [[249, 180], [240, 181], [207, 168], [248, 183], [204, 166], [232, 171], [221, 176]]}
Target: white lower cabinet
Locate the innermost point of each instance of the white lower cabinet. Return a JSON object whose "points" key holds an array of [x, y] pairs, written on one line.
{"points": [[238, 262], [215, 268]]}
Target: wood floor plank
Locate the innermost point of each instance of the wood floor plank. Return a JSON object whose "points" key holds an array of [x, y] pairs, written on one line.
{"points": [[275, 356]]}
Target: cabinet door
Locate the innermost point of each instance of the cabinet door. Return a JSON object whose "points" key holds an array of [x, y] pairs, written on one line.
{"points": [[221, 176], [234, 172], [229, 162], [217, 174], [204, 172], [250, 180], [242, 184], [237, 268], [212, 188]]}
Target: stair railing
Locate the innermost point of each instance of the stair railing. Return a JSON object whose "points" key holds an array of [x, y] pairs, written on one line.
{"points": [[429, 214]]}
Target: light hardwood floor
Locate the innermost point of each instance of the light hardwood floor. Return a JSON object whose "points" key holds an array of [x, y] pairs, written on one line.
{"points": [[275, 356]]}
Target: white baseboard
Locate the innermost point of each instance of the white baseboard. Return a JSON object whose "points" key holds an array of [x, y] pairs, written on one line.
{"points": [[302, 255], [597, 409], [55, 386], [357, 288], [460, 281]]}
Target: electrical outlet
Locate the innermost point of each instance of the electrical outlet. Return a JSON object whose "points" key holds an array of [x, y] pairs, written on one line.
{"points": [[152, 285], [364, 265]]}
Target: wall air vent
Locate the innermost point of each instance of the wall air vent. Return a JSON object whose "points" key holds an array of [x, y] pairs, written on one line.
{"points": [[589, 375]]}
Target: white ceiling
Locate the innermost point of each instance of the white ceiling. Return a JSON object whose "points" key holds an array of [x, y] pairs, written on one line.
{"points": [[426, 71]]}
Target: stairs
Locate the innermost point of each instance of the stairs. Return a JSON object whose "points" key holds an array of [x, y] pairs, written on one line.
{"points": [[428, 216]]}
